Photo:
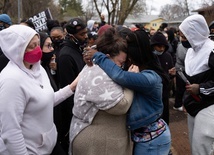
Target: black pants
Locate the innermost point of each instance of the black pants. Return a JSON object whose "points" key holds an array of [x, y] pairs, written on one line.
{"points": [[165, 115], [58, 150], [180, 89]]}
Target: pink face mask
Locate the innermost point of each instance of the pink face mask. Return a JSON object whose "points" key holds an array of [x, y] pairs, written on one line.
{"points": [[33, 56]]}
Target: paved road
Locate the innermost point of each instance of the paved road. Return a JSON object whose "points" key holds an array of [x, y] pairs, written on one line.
{"points": [[179, 132]]}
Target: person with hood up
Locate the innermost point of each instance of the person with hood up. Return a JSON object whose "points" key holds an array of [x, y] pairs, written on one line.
{"points": [[199, 95], [92, 26], [26, 96], [159, 45]]}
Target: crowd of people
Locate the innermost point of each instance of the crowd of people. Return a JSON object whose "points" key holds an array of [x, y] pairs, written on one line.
{"points": [[90, 88]]}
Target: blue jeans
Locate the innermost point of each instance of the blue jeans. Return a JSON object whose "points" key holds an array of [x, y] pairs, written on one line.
{"points": [[158, 146]]}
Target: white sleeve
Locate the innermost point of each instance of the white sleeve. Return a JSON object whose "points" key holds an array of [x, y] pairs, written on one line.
{"points": [[62, 95]]}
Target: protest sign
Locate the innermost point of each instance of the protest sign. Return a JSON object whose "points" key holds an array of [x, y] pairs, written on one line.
{"points": [[40, 20]]}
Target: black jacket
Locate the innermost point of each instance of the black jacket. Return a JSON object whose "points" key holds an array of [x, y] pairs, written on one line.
{"points": [[166, 63], [3, 60], [69, 65], [206, 84]]}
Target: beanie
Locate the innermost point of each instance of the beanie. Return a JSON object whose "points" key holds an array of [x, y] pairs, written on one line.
{"points": [[6, 19], [43, 37], [75, 25], [103, 28], [159, 39]]}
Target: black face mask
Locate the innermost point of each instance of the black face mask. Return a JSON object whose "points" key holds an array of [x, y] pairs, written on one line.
{"points": [[46, 57], [186, 44], [211, 36], [2, 27]]}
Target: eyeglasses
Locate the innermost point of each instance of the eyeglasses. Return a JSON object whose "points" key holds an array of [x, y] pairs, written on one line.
{"points": [[49, 46]]}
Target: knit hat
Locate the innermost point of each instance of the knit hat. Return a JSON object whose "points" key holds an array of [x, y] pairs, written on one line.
{"points": [[43, 37], [103, 28], [75, 25], [6, 19], [159, 39]]}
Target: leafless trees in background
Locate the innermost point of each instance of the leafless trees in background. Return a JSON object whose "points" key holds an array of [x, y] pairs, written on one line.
{"points": [[116, 10]]}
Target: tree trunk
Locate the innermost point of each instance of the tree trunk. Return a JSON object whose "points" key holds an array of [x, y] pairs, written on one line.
{"points": [[126, 7], [5, 6]]}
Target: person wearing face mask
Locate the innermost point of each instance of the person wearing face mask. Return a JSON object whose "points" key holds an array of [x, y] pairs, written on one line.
{"points": [[26, 96], [5, 22], [57, 38], [211, 28], [159, 45], [69, 66], [47, 56], [198, 97]]}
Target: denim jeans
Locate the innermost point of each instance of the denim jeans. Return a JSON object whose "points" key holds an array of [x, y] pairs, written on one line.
{"points": [[158, 146]]}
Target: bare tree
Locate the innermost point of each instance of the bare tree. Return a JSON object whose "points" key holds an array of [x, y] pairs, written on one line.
{"points": [[206, 3], [110, 7], [173, 11], [71, 8], [166, 11], [140, 8], [29, 8], [90, 10], [5, 5], [186, 7], [117, 10], [125, 9]]}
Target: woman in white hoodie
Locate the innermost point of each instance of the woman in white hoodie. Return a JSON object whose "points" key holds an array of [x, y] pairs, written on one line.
{"points": [[26, 96]]}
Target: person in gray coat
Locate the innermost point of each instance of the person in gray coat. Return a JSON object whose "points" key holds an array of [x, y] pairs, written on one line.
{"points": [[180, 84]]}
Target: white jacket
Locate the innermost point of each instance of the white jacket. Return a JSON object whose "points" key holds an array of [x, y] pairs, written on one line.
{"points": [[26, 99]]}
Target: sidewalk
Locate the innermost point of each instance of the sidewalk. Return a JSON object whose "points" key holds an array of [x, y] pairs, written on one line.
{"points": [[179, 131]]}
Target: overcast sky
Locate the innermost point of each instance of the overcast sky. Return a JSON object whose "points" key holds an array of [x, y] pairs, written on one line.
{"points": [[196, 4]]}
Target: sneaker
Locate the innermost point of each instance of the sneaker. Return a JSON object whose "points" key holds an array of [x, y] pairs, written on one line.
{"points": [[170, 152], [179, 108]]}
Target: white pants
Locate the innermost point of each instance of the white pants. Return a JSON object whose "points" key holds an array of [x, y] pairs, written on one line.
{"points": [[201, 132]]}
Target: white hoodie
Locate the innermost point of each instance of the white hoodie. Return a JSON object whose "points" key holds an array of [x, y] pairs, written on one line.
{"points": [[26, 99], [196, 31]]}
